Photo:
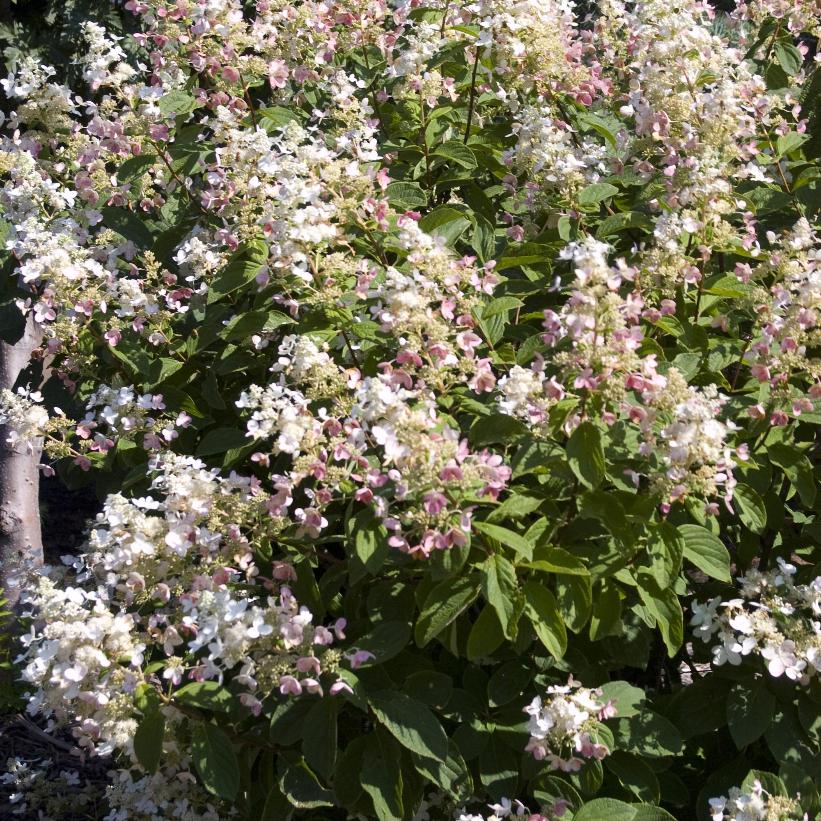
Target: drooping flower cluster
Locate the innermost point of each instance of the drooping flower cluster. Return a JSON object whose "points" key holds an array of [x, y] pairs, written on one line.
{"points": [[183, 555], [563, 727], [754, 805], [774, 618]]}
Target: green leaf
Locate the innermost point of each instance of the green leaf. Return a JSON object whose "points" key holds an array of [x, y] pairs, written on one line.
{"points": [[277, 807], [552, 559], [221, 440], [136, 166], [626, 698], [176, 102], [797, 468], [486, 634], [664, 605], [498, 768], [500, 305], [205, 695], [302, 788], [275, 117], [750, 708], [443, 604], [445, 222], [127, 224], [585, 454], [430, 687], [386, 640], [789, 142], [148, 740], [543, 611], [245, 325], [769, 781], [706, 551], [506, 537], [647, 812], [605, 809], [499, 587], [634, 775], [381, 777], [245, 263], [215, 760], [606, 617], [647, 734], [575, 599], [457, 152], [319, 739], [407, 195], [452, 775], [622, 222], [411, 723], [597, 192], [789, 57], [751, 508], [370, 543], [516, 506]]}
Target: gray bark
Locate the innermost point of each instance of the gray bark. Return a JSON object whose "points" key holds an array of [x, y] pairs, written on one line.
{"points": [[21, 544]]}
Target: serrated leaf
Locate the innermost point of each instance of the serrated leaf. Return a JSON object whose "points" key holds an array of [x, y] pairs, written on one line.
{"points": [[406, 194], [457, 152], [499, 587], [486, 634], [750, 708], [789, 57], [626, 698], [411, 723], [302, 788], [221, 440], [665, 607], [241, 270], [206, 695], [751, 509], [706, 551], [381, 777], [506, 537], [586, 455], [605, 809], [215, 760], [543, 611], [148, 740], [596, 192], [319, 738], [176, 102], [443, 605]]}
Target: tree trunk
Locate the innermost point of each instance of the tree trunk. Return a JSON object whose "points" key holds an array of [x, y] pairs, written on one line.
{"points": [[21, 544]]}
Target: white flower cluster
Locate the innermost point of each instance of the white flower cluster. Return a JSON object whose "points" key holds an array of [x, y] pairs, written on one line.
{"points": [[755, 805], [528, 395], [84, 663], [695, 437], [24, 417], [774, 618], [104, 60], [278, 411], [564, 727], [549, 158], [186, 556]]}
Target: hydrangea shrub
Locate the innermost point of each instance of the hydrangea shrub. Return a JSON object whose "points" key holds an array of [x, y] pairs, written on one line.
{"points": [[450, 374]]}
